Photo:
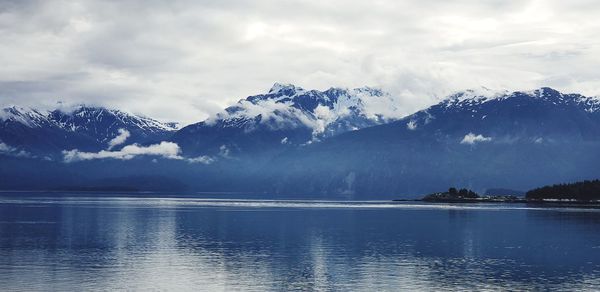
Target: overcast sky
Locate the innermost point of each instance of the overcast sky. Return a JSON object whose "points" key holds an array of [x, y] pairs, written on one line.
{"points": [[184, 60]]}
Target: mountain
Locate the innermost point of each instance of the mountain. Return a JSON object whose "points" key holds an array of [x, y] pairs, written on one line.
{"points": [[286, 117], [86, 128], [102, 124], [471, 139], [345, 143]]}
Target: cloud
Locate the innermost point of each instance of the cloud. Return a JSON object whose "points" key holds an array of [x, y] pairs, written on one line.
{"points": [[273, 113], [284, 111], [119, 139], [6, 149], [184, 60], [168, 150], [472, 139], [164, 149], [201, 159], [323, 117], [224, 152]]}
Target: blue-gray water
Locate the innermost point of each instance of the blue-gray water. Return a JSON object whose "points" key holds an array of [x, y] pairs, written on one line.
{"points": [[107, 243]]}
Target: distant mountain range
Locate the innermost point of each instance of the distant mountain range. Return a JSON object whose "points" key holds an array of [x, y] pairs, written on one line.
{"points": [[350, 143], [47, 133]]}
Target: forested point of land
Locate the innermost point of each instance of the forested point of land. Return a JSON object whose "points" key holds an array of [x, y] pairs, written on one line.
{"points": [[588, 190]]}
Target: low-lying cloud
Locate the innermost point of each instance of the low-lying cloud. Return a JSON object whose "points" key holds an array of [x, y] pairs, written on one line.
{"points": [[164, 149], [201, 159], [282, 112], [119, 139], [472, 139], [6, 149], [225, 152]]}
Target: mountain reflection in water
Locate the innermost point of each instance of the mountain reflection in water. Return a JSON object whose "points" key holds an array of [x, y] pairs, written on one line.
{"points": [[107, 243]]}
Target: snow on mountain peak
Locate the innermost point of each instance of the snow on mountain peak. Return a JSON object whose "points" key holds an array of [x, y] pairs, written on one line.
{"points": [[590, 104], [474, 95], [85, 114], [26, 116], [285, 88], [546, 91], [544, 94], [326, 112], [79, 117]]}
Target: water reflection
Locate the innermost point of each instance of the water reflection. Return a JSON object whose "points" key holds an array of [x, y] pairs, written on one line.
{"points": [[75, 243]]}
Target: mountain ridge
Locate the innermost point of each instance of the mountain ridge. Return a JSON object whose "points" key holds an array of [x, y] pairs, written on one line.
{"points": [[289, 115], [499, 142], [80, 127], [267, 143]]}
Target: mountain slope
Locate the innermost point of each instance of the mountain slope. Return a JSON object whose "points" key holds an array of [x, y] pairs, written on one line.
{"points": [[512, 140], [85, 128], [334, 143], [286, 116], [103, 124]]}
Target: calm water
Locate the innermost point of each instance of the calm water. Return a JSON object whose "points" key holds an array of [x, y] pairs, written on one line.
{"points": [[108, 243]]}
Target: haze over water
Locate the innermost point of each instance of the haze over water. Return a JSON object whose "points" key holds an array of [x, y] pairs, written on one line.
{"points": [[52, 242]]}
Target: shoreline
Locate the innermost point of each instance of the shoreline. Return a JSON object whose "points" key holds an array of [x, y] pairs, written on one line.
{"points": [[560, 203]]}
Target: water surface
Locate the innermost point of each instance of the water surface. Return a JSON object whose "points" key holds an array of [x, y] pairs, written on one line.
{"points": [[64, 242]]}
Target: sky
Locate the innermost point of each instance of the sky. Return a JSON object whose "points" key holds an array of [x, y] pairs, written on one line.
{"points": [[186, 60]]}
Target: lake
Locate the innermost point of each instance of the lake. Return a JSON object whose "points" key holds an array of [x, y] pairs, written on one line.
{"points": [[74, 242]]}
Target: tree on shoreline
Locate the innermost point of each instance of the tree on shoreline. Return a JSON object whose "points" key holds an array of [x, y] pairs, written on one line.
{"points": [[587, 190], [453, 194]]}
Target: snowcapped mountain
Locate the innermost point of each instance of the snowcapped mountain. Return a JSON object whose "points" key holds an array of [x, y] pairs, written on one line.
{"points": [[289, 115], [473, 139], [326, 113], [82, 127], [28, 117], [103, 124], [504, 116], [473, 98], [338, 142]]}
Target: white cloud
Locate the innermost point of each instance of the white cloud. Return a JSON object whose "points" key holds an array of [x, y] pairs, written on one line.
{"points": [[5, 148], [224, 151], [202, 159], [12, 151], [472, 139], [119, 139], [274, 114], [411, 125], [280, 113], [324, 116], [164, 149], [187, 59]]}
